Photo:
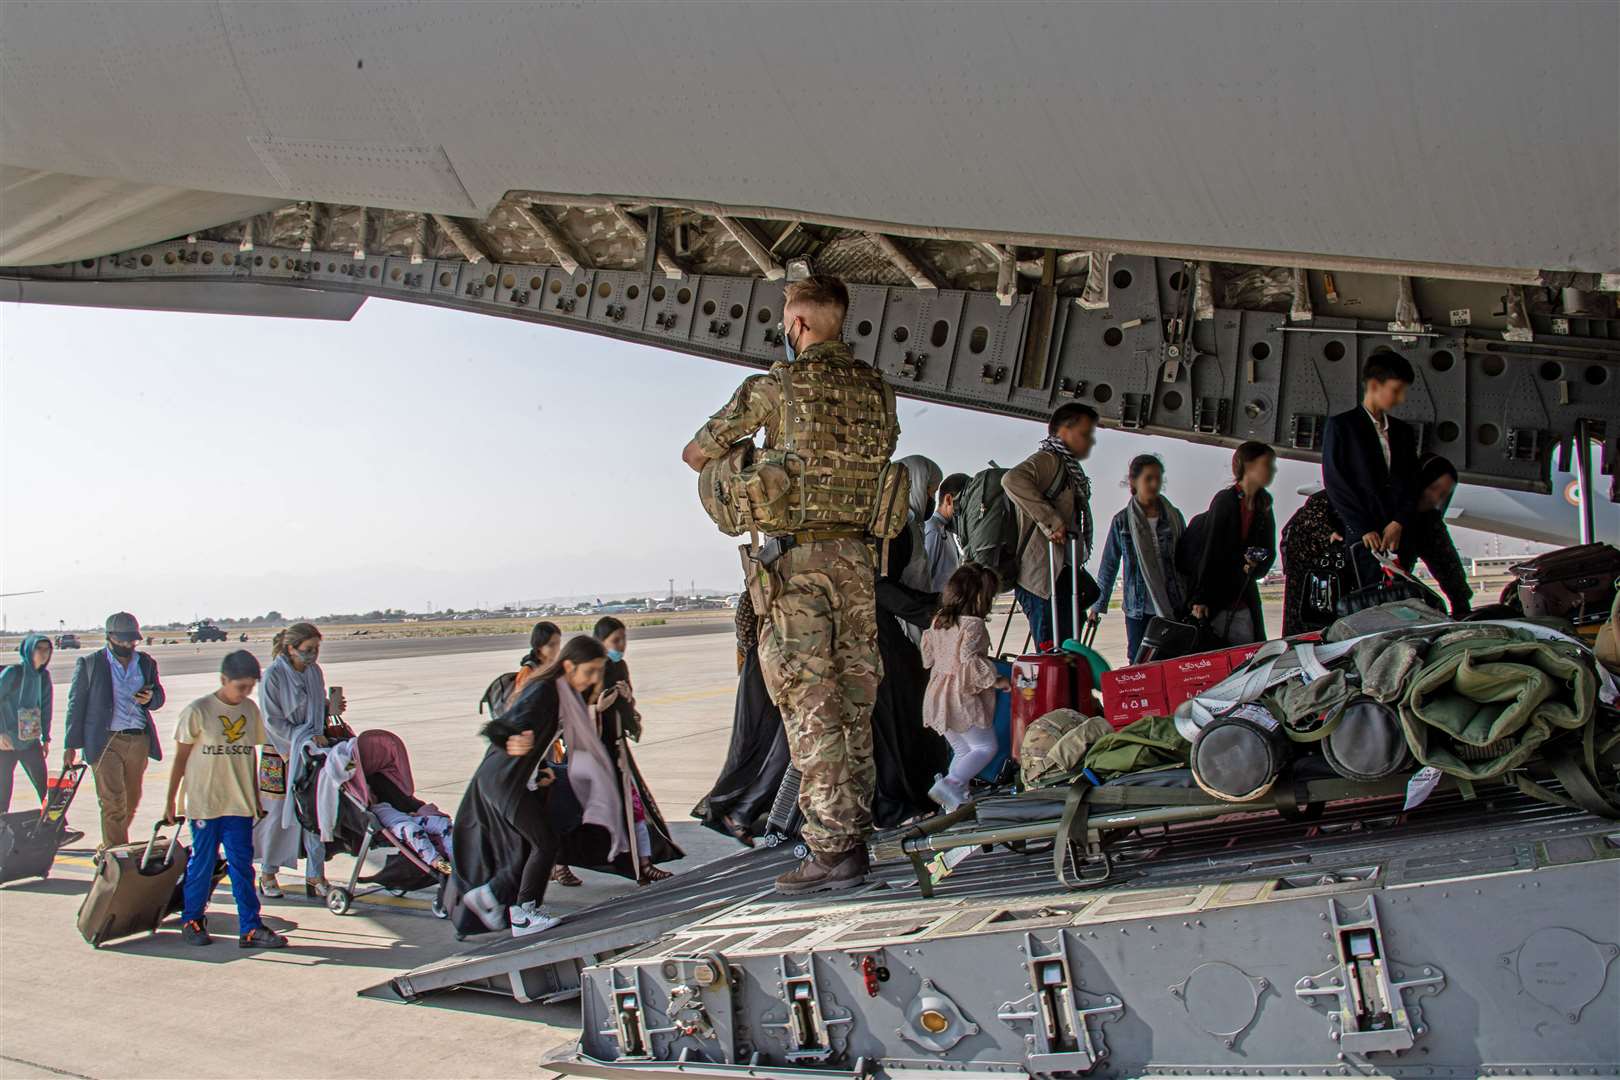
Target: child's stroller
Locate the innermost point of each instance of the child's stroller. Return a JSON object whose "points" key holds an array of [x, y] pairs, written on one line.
{"points": [[358, 831]]}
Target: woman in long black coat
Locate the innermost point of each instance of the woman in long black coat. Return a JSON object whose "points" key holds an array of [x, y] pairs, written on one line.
{"points": [[620, 725], [1239, 545], [506, 836]]}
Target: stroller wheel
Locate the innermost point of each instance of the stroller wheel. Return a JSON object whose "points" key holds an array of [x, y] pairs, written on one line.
{"points": [[439, 911], [338, 900], [801, 851], [772, 839]]}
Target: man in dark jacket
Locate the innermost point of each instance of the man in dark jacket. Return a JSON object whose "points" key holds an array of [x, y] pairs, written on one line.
{"points": [[109, 718], [1369, 464]]}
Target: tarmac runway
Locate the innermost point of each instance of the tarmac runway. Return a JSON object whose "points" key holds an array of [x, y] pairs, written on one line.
{"points": [[151, 1006]]}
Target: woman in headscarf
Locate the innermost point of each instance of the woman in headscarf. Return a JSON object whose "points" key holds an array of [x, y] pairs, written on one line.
{"points": [[26, 700], [925, 478], [292, 698], [757, 757], [1313, 551], [908, 756], [507, 833], [1142, 542], [620, 725]]}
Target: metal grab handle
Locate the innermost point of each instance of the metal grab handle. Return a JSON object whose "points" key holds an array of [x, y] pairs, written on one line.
{"points": [[174, 841], [1074, 583]]}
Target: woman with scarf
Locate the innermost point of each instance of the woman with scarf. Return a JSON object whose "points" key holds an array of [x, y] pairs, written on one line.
{"points": [[1313, 550], [292, 698], [26, 700], [620, 725], [1142, 542], [507, 835], [925, 477]]}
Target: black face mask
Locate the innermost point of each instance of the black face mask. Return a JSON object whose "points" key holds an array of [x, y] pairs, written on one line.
{"points": [[123, 652]]}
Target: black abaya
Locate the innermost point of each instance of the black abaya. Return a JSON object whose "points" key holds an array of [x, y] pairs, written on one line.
{"points": [[755, 761]]}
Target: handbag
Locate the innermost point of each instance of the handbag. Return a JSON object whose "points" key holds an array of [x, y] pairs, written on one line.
{"points": [[272, 774], [1395, 584]]}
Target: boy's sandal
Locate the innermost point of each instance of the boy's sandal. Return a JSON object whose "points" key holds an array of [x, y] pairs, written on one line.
{"points": [[562, 875]]}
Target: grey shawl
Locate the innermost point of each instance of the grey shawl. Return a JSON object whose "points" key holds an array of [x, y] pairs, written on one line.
{"points": [[1146, 542], [590, 770], [294, 706]]}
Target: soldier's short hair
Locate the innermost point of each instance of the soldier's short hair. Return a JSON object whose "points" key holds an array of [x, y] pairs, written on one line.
{"points": [[819, 291]]}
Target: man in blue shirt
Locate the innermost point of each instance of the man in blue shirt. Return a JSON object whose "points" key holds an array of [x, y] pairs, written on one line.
{"points": [[109, 717], [939, 533]]}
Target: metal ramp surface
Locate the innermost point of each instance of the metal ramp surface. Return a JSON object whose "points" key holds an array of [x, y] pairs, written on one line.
{"points": [[545, 967]]}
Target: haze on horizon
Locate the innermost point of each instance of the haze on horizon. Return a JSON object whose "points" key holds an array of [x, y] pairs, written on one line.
{"points": [[182, 465]]}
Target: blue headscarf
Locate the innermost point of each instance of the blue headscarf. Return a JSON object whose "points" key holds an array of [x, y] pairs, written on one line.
{"points": [[22, 686]]}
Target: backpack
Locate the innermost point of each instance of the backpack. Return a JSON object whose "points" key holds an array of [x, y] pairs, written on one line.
{"points": [[1190, 545], [497, 694], [987, 522]]}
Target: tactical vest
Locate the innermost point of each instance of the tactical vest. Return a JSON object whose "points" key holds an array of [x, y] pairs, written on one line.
{"points": [[837, 427]]}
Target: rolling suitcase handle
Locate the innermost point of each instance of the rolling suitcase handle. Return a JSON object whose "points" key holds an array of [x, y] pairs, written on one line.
{"points": [[1074, 591], [174, 841]]}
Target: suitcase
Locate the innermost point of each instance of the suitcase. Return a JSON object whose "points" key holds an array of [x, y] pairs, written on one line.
{"points": [[135, 888], [29, 838], [1575, 583], [1002, 726], [1059, 679]]}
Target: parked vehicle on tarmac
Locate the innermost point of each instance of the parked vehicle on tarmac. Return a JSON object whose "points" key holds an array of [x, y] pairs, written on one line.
{"points": [[67, 641], [206, 631]]}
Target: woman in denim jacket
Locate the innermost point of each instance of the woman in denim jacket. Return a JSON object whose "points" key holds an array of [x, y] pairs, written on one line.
{"points": [[1142, 542]]}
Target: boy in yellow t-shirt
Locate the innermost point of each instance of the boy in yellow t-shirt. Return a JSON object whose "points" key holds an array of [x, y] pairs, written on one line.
{"points": [[216, 753]]}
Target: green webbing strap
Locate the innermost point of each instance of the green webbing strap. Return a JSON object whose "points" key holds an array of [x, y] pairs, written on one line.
{"points": [[1128, 796], [1322, 732], [1581, 792], [1076, 811]]}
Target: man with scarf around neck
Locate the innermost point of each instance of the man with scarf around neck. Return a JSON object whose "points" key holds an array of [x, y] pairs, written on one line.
{"points": [[109, 717], [1052, 492], [835, 419]]}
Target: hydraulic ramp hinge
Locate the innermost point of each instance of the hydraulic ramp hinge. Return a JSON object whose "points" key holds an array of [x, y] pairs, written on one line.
{"points": [[1366, 990], [1061, 1039]]}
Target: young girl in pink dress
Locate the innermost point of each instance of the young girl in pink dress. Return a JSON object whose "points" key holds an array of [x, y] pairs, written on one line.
{"points": [[960, 702]]}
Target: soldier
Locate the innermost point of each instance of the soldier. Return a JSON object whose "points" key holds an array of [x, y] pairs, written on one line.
{"points": [[834, 417]]}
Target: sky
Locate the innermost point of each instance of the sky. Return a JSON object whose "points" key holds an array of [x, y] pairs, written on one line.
{"points": [[181, 465]]}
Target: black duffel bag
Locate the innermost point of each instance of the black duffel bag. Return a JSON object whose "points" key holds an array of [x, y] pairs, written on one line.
{"points": [[1396, 584]]}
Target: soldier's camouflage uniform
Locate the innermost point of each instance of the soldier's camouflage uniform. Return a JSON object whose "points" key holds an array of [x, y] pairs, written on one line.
{"points": [[818, 649]]}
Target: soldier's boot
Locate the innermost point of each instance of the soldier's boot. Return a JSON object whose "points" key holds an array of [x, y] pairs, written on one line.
{"points": [[826, 873]]}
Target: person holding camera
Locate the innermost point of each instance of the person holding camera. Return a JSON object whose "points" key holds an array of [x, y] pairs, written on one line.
{"points": [[294, 701], [1239, 546]]}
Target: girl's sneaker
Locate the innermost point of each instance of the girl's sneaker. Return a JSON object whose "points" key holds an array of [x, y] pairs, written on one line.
{"points": [[945, 794], [530, 918], [482, 903]]}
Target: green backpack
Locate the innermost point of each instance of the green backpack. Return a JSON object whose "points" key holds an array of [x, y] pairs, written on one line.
{"points": [[987, 523]]}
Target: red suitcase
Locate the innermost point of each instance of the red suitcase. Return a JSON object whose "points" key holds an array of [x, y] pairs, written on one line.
{"points": [[1044, 681]]}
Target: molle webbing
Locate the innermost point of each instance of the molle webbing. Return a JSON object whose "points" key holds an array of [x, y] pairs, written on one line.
{"points": [[837, 425]]}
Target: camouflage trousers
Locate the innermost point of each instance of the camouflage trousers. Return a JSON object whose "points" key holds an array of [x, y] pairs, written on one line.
{"points": [[820, 659]]}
